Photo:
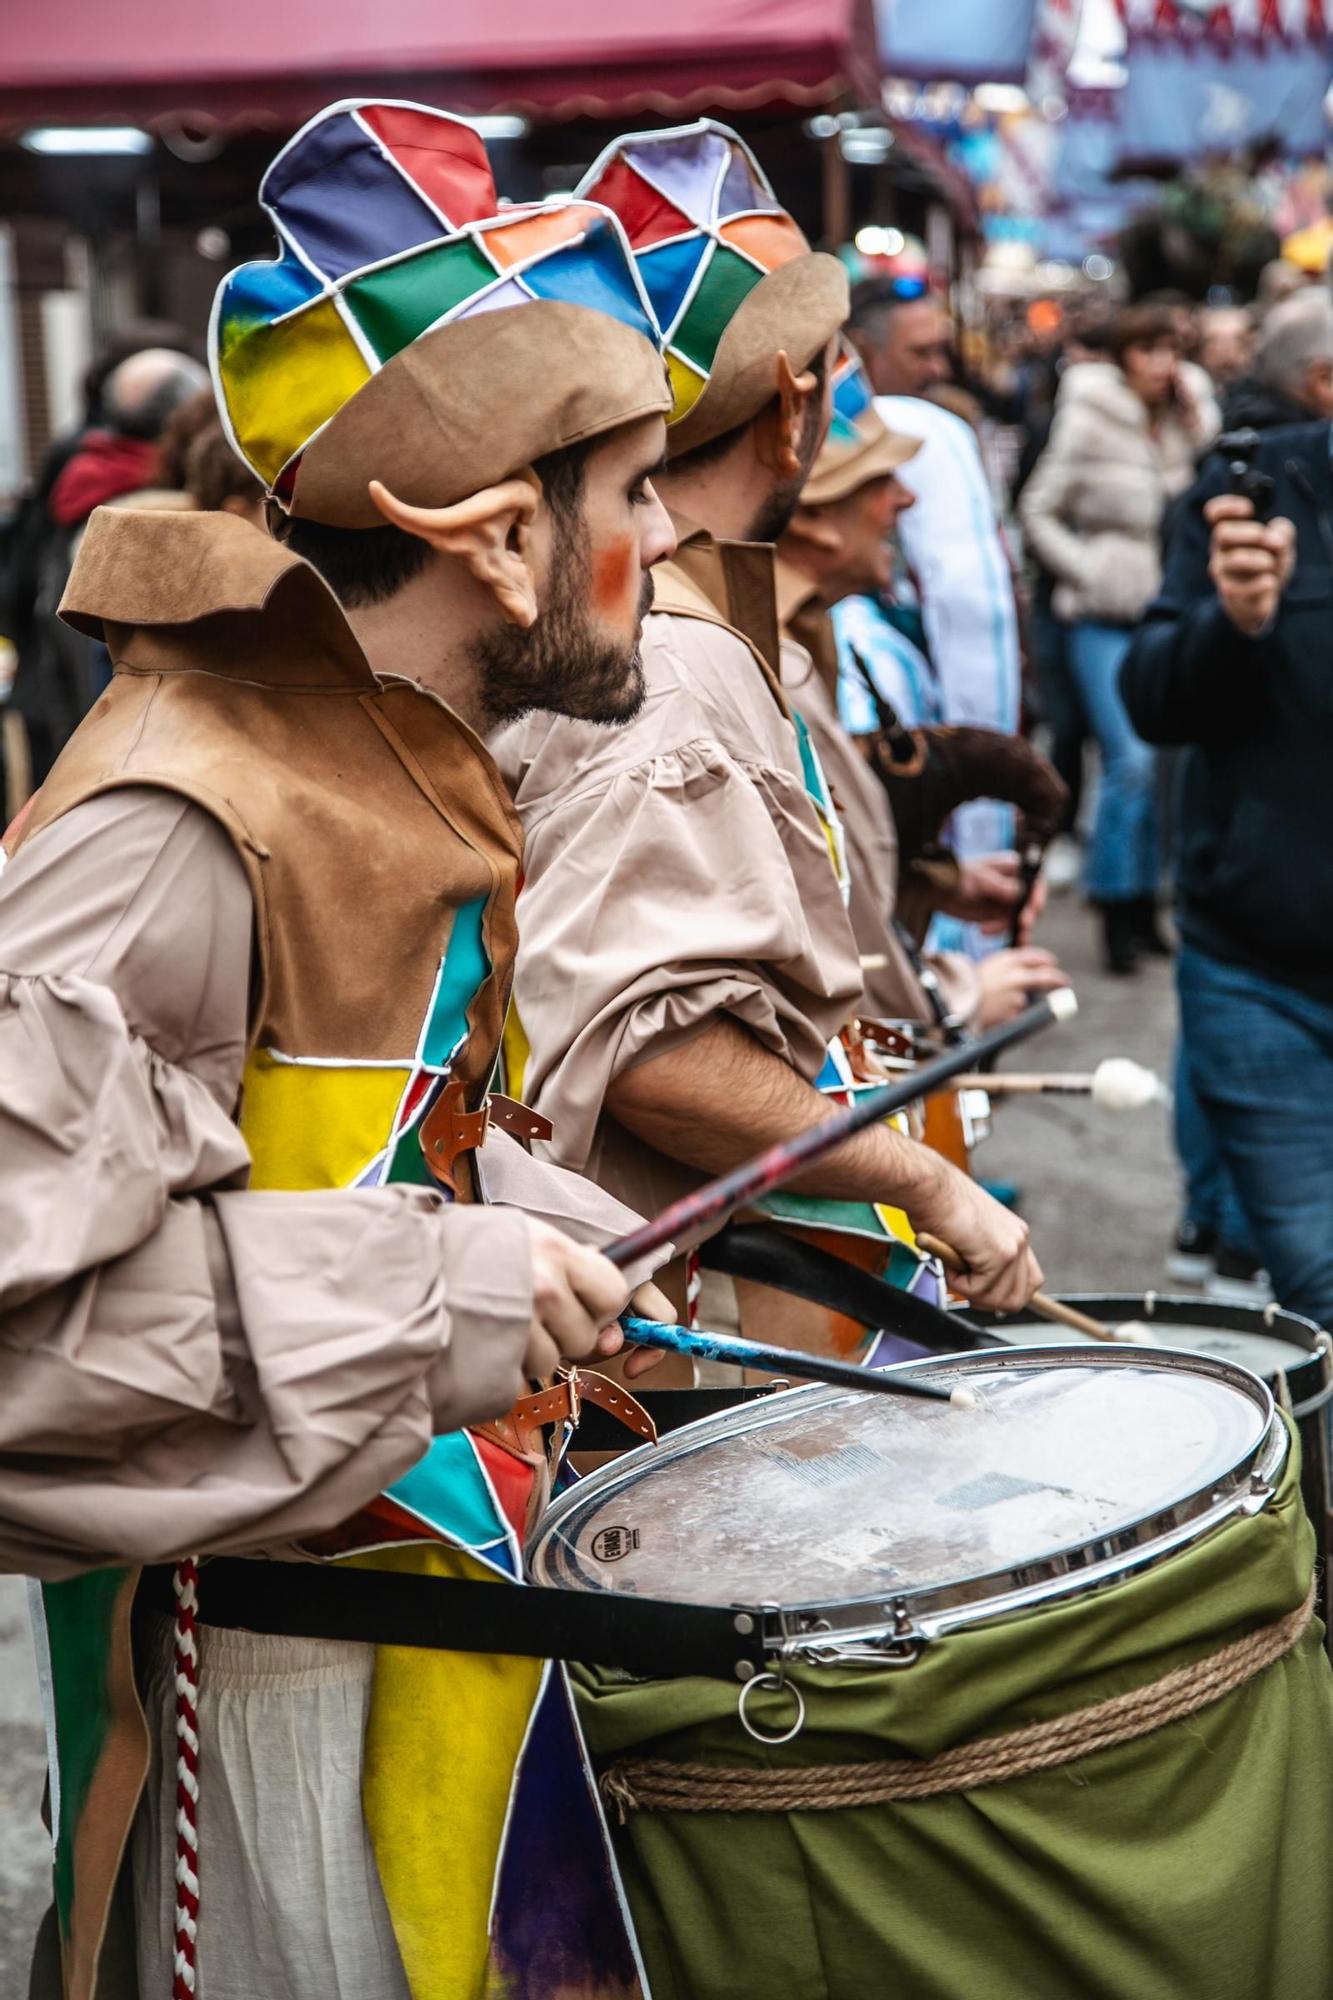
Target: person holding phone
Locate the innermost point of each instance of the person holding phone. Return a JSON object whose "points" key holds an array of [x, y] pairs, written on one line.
{"points": [[1235, 663]]}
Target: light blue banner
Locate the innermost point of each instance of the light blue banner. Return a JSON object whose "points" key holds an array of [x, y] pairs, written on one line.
{"points": [[1183, 102], [959, 41]]}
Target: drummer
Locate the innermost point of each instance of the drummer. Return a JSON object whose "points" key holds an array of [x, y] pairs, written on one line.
{"points": [[686, 955], [837, 545]]}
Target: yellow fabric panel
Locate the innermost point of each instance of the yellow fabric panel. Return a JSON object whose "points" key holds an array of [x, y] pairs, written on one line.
{"points": [[310, 1127], [893, 1218], [442, 1747], [517, 1053], [284, 381], [687, 385], [896, 1223]]}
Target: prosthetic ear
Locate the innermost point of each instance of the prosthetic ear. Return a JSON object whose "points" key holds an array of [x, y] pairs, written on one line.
{"points": [[812, 526], [780, 453], [489, 533]]}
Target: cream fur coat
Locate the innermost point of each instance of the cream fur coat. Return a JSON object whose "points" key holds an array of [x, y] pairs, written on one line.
{"points": [[1093, 509]]}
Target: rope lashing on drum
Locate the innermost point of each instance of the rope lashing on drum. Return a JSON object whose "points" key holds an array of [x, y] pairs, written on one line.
{"points": [[643, 1784]]}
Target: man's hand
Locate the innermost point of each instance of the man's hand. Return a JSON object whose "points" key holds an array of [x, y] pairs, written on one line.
{"points": [[576, 1294], [1250, 561], [989, 889], [648, 1303], [1001, 1272], [1008, 979]]}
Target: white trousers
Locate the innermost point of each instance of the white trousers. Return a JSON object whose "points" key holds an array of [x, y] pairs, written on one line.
{"points": [[290, 1903]]}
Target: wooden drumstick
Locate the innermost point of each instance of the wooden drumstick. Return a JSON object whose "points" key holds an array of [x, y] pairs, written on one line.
{"points": [[1044, 1307]]}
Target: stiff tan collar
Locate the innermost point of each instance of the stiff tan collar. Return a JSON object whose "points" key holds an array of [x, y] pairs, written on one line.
{"points": [[803, 617], [737, 580], [208, 593]]}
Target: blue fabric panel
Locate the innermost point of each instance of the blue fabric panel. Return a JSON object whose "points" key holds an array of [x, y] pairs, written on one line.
{"points": [[338, 196], [667, 274], [464, 968], [591, 273]]}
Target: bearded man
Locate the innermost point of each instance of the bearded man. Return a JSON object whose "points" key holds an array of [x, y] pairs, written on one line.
{"points": [[687, 958], [257, 932]]}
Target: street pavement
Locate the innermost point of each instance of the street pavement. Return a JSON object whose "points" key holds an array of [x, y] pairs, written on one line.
{"points": [[1099, 1190]]}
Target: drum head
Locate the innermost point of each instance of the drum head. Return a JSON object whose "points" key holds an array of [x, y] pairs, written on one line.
{"points": [[820, 1497], [1262, 1339]]}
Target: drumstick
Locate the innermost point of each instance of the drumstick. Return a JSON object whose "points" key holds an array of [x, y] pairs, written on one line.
{"points": [[686, 1220], [782, 1360], [1117, 1084], [1045, 1307]]}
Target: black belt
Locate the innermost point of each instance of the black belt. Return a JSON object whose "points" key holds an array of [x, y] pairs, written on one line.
{"points": [[640, 1635], [379, 1607]]}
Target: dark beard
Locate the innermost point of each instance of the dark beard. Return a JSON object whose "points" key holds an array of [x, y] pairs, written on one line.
{"points": [[775, 516], [561, 664]]}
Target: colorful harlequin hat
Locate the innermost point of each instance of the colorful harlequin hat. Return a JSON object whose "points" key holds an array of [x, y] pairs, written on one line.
{"points": [[859, 446], [410, 333], [731, 277]]}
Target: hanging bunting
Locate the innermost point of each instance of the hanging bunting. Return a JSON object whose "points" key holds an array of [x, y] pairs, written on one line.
{"points": [[1221, 78]]}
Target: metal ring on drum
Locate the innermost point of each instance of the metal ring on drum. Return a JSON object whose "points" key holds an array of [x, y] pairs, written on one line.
{"points": [[781, 1686]]}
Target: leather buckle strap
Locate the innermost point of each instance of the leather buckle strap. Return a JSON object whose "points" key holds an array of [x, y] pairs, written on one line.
{"points": [[449, 1129], [562, 1403]]}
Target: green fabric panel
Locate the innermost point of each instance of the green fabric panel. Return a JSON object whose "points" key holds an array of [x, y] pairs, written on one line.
{"points": [[79, 1615], [1193, 1864], [400, 301], [409, 1162], [853, 1218], [462, 974], [724, 284]]}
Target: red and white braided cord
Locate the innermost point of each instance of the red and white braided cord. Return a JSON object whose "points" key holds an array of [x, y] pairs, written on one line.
{"points": [[185, 1583]]}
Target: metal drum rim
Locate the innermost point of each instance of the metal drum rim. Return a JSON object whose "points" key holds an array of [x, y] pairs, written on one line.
{"points": [[1182, 1309], [924, 1611]]}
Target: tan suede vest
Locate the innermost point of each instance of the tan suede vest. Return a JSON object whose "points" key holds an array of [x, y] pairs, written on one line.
{"points": [[372, 823]]}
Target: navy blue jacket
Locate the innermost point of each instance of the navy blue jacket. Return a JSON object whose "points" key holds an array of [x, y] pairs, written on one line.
{"points": [[1255, 861]]}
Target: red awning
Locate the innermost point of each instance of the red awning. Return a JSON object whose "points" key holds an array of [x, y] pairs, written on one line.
{"points": [[251, 60]]}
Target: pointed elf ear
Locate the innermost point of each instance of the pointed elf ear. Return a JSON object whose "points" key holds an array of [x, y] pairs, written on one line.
{"points": [[811, 526], [488, 533], [780, 452]]}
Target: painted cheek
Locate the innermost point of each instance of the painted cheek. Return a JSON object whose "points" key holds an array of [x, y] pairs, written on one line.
{"points": [[615, 579]]}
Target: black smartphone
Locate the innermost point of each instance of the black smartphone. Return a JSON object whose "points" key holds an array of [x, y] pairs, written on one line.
{"points": [[1244, 476]]}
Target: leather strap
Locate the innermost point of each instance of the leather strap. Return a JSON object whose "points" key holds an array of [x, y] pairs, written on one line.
{"points": [[518, 1119], [519, 1430], [449, 1129]]}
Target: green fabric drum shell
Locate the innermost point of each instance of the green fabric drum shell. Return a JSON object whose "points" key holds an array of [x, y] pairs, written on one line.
{"points": [[1195, 1863]]}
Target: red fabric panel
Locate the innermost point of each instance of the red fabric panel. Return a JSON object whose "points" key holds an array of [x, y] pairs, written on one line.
{"points": [[648, 216], [458, 180], [512, 1479]]}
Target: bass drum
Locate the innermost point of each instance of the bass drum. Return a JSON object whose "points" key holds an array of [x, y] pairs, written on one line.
{"points": [[1046, 1713], [1293, 1356]]}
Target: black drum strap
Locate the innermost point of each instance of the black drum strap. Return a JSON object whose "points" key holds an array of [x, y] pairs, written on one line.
{"points": [[769, 1256], [641, 1636]]}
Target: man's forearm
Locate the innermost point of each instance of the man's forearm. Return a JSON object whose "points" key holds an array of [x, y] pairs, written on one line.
{"points": [[721, 1098]]}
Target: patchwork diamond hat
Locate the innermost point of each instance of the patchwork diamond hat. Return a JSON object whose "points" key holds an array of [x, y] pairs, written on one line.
{"points": [[731, 277], [859, 446], [410, 331]]}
